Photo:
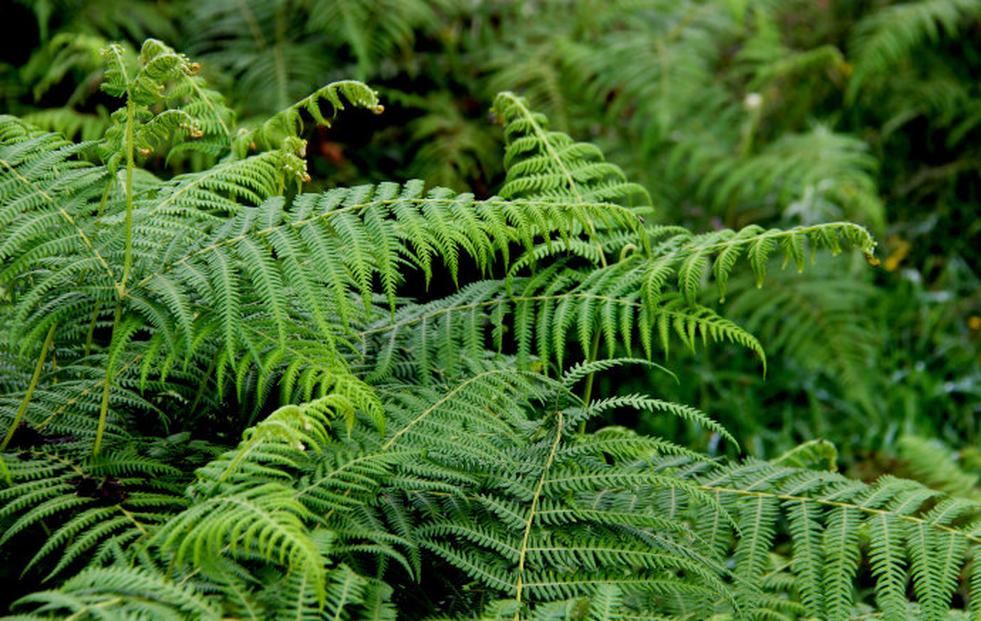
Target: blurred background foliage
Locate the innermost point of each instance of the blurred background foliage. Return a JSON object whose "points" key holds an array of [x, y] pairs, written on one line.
{"points": [[730, 112]]}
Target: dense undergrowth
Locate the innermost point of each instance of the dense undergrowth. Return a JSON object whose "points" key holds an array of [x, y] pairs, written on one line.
{"points": [[482, 333]]}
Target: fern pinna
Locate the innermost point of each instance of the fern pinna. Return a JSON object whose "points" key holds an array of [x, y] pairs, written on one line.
{"points": [[397, 456]]}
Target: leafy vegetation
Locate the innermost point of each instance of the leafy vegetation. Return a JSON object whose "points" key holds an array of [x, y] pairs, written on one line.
{"points": [[593, 360]]}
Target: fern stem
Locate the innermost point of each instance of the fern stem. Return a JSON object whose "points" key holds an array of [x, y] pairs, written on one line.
{"points": [[746, 144], [48, 340], [107, 384], [587, 392], [130, 165], [127, 265], [532, 511], [104, 604], [282, 79], [253, 23], [105, 198], [90, 332], [132, 518]]}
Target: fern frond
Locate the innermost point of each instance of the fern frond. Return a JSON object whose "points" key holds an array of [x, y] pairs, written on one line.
{"points": [[543, 163], [614, 301], [618, 317], [372, 30], [265, 520]]}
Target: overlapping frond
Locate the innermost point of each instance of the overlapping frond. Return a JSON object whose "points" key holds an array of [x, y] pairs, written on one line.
{"points": [[915, 535], [548, 518], [935, 465], [121, 592], [84, 506], [815, 321], [546, 314]]}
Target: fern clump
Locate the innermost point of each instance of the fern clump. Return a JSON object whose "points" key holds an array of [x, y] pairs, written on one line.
{"points": [[359, 451]]}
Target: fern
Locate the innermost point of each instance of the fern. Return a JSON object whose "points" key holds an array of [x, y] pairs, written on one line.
{"points": [[356, 436], [542, 163]]}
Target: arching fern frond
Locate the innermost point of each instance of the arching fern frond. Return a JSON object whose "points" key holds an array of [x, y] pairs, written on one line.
{"points": [[437, 335], [289, 122], [631, 301]]}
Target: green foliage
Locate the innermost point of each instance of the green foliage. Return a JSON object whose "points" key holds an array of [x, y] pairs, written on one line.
{"points": [[234, 386], [891, 35]]}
